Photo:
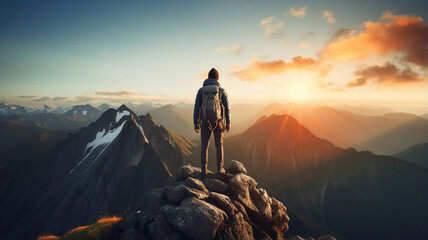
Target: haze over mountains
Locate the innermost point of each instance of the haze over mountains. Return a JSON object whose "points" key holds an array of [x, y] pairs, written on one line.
{"points": [[383, 134], [66, 179]]}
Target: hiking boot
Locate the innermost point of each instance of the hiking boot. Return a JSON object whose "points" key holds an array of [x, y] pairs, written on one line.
{"points": [[221, 171]]}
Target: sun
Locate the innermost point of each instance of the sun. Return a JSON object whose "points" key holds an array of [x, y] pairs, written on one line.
{"points": [[300, 92]]}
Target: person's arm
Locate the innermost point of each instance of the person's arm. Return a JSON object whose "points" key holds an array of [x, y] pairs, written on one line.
{"points": [[225, 101], [198, 103]]}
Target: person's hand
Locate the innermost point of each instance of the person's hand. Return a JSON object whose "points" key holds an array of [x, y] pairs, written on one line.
{"points": [[227, 127], [197, 128]]}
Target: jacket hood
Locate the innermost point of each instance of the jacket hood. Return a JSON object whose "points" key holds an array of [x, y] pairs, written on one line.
{"points": [[211, 81]]}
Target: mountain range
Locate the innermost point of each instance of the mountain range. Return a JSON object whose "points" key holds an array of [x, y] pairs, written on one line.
{"points": [[331, 185], [383, 134], [110, 166], [106, 168], [417, 154]]}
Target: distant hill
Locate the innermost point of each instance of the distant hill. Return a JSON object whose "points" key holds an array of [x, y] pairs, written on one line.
{"points": [[326, 183], [31, 148], [425, 116], [383, 134], [417, 154], [366, 110], [180, 120], [63, 118]]}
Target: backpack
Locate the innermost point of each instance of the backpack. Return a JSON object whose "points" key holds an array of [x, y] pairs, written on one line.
{"points": [[211, 104]]}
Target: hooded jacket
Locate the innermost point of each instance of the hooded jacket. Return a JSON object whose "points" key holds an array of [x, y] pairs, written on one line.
{"points": [[224, 101]]}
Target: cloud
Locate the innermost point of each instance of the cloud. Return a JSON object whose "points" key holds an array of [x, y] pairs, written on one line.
{"points": [[115, 93], [42, 99], [303, 45], [402, 34], [387, 74], [329, 15], [258, 69], [271, 26], [342, 32], [29, 96], [57, 98], [307, 35], [233, 49], [137, 97], [297, 12]]}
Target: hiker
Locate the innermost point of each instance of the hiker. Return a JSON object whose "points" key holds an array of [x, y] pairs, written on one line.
{"points": [[211, 110]]}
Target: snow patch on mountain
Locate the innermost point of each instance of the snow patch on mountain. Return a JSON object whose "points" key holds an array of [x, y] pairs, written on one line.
{"points": [[120, 115], [84, 112], [102, 139]]}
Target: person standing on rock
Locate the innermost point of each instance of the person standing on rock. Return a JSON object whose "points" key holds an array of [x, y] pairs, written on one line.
{"points": [[211, 110]]}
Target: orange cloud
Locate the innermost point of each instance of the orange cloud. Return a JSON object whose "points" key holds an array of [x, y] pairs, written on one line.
{"points": [[303, 45], [386, 74], [404, 34], [259, 69]]}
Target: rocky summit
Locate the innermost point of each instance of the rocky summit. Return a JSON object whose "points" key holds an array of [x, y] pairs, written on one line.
{"points": [[228, 206]]}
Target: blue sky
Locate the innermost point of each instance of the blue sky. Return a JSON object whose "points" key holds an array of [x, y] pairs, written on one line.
{"points": [[112, 51]]}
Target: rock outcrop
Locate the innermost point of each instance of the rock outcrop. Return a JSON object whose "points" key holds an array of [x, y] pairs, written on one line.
{"points": [[228, 206]]}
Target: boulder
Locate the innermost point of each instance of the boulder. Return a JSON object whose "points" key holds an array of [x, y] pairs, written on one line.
{"points": [[280, 219], [228, 206], [240, 227], [160, 229], [223, 202], [240, 186], [262, 201], [142, 221], [187, 171], [196, 184], [156, 200], [132, 234], [236, 167], [128, 221], [195, 218], [215, 185], [176, 194]]}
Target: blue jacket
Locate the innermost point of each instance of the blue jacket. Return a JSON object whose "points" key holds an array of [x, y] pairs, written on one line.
{"points": [[224, 101]]}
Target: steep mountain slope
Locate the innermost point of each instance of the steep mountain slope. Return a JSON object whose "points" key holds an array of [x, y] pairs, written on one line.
{"points": [[417, 154], [344, 190], [180, 120], [172, 148], [381, 134], [106, 168]]}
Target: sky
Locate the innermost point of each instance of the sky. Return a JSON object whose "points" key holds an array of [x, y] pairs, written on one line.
{"points": [[339, 51]]}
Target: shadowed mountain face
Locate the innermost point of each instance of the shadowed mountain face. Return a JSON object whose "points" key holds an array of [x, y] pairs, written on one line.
{"points": [[106, 168], [417, 154], [384, 134], [344, 190]]}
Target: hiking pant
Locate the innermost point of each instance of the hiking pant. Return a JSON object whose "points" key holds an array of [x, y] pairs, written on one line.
{"points": [[205, 140]]}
